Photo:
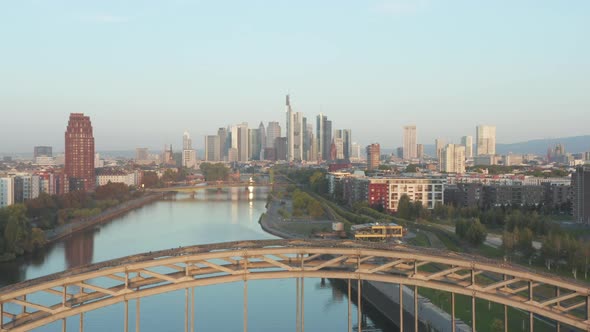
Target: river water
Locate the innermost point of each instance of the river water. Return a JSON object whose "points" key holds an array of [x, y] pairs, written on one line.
{"points": [[209, 217]]}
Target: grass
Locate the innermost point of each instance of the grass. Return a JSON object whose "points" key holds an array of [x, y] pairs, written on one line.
{"points": [[486, 312], [421, 240]]}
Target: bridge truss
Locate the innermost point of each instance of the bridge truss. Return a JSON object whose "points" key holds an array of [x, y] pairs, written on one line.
{"points": [[80, 290]]}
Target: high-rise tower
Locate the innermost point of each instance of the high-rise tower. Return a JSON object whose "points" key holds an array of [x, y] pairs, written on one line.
{"points": [[79, 161], [410, 143], [486, 140]]}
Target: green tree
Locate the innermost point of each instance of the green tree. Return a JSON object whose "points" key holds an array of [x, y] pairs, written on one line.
{"points": [[16, 230], [477, 233], [404, 207]]}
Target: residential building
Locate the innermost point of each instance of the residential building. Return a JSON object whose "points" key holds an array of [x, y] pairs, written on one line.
{"points": [[452, 159], [79, 158], [467, 142], [420, 151], [486, 140], [141, 155], [6, 191], [189, 156], [373, 156], [410, 143], [439, 144], [581, 194], [103, 177]]}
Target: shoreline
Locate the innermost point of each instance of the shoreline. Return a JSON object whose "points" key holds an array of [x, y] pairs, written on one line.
{"points": [[63, 231]]}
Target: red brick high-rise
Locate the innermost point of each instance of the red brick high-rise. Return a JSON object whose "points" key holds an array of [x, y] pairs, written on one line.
{"points": [[80, 153], [373, 156]]}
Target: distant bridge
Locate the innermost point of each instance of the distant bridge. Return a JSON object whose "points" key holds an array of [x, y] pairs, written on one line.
{"points": [[213, 185], [80, 290]]}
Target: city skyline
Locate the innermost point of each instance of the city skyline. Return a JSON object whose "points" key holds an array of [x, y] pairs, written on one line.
{"points": [[207, 72]]}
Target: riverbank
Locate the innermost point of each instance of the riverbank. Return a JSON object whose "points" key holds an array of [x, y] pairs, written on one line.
{"points": [[68, 229]]}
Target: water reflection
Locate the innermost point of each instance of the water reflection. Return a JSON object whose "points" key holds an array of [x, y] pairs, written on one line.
{"points": [[79, 249]]}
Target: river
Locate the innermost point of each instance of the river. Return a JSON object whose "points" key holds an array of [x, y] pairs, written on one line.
{"points": [[209, 217]]}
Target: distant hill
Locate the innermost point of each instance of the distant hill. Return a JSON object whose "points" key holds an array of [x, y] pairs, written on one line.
{"points": [[576, 144]]}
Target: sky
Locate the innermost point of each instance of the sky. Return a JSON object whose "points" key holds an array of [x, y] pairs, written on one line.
{"points": [[145, 71]]}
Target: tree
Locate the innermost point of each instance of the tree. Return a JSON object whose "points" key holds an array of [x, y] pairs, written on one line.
{"points": [[150, 180], [16, 230], [477, 233], [404, 207], [214, 172]]}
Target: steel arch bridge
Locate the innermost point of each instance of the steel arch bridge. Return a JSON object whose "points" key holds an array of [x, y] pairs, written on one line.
{"points": [[80, 290]]}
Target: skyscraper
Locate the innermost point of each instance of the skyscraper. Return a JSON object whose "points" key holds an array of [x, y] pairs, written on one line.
{"points": [[420, 151], [467, 142], [273, 131], [239, 141], [290, 131], [223, 143], [347, 142], [410, 143], [212, 148], [486, 140], [254, 144], [324, 136], [452, 159], [262, 133], [79, 161], [373, 156], [189, 156]]}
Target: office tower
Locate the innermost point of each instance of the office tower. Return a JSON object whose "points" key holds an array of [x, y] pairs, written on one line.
{"points": [[239, 141], [187, 143], [467, 142], [273, 131], [452, 159], [308, 139], [313, 147], [254, 142], [347, 143], [212, 148], [399, 152], [356, 152], [79, 161], [373, 156], [409, 144], [296, 143], [223, 143], [439, 144], [262, 133], [339, 148], [486, 140], [281, 148], [189, 156], [42, 151], [581, 194], [420, 151], [98, 163], [290, 129], [324, 136], [168, 156]]}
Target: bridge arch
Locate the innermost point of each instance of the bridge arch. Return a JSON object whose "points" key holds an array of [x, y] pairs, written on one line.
{"points": [[91, 287]]}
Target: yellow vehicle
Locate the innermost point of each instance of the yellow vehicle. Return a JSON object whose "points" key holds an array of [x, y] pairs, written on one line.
{"points": [[377, 231]]}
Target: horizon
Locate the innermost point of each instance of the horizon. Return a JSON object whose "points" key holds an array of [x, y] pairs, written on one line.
{"points": [[145, 72]]}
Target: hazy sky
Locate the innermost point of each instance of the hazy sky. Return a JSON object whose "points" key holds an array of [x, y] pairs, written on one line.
{"points": [[147, 70]]}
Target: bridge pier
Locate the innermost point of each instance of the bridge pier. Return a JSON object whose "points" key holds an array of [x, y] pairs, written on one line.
{"points": [[360, 311], [81, 322], [186, 322], [126, 326], [137, 317], [193, 309], [473, 323], [453, 323], [245, 305], [349, 309], [416, 321], [531, 314], [401, 307]]}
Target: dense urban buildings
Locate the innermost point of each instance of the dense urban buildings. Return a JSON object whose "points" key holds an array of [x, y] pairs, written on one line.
{"points": [[486, 140], [79, 146], [581, 194], [410, 143], [189, 155], [42, 151]]}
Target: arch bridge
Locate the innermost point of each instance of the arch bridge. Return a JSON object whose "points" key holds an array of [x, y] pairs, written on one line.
{"points": [[77, 291]]}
